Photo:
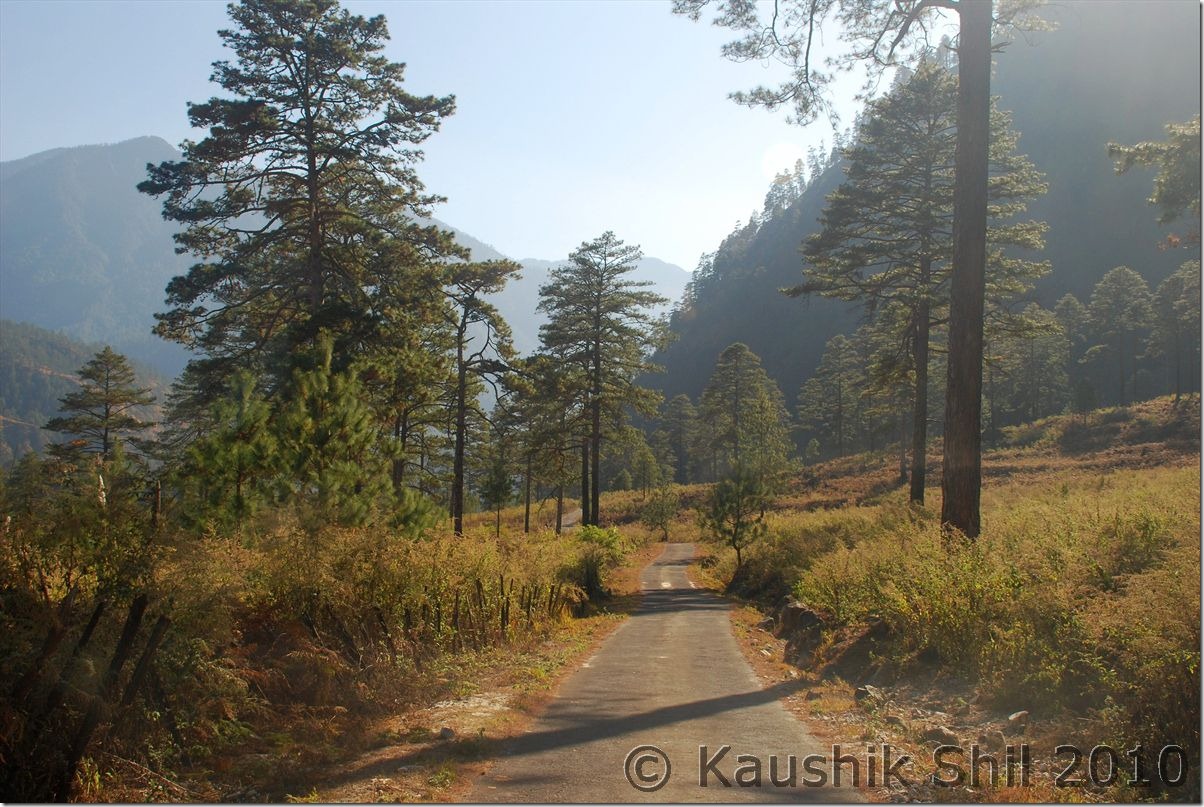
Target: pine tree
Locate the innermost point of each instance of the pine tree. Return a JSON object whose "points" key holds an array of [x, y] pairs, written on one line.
{"points": [[300, 202], [1073, 319], [887, 236], [599, 320], [551, 431], [743, 415], [828, 401], [1177, 184], [482, 349], [1175, 335], [1120, 313], [234, 465], [882, 33], [101, 411], [681, 424], [328, 444]]}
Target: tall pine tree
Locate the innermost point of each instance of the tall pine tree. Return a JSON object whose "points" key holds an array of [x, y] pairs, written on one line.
{"points": [[887, 236], [599, 319]]}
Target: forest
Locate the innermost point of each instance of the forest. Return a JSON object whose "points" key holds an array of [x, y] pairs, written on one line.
{"points": [[359, 495]]}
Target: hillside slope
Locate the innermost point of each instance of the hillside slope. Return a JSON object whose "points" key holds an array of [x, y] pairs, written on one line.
{"points": [[1116, 71], [37, 367]]}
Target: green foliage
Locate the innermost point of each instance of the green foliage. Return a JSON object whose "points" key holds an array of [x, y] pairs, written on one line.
{"points": [[1120, 313], [1177, 183], [661, 510], [37, 368], [100, 412], [599, 322], [1175, 331], [325, 156], [602, 549], [742, 419], [233, 468], [734, 513], [328, 443]]}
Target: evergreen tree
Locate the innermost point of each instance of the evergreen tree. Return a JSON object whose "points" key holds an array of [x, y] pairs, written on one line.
{"points": [[1177, 184], [328, 443], [1027, 369], [540, 388], [681, 424], [299, 203], [1073, 319], [482, 349], [890, 32], [828, 401], [887, 236], [743, 415], [1120, 313], [735, 512], [599, 320], [101, 411], [1175, 335], [234, 466]]}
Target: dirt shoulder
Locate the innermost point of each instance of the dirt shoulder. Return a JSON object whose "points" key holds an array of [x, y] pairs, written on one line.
{"points": [[434, 752]]}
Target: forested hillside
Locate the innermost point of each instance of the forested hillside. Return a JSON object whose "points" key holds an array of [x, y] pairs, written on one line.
{"points": [[1071, 91], [37, 368]]}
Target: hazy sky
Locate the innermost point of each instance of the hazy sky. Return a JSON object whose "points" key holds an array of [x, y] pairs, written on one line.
{"points": [[573, 116]]}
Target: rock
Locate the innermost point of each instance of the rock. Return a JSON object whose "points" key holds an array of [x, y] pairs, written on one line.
{"points": [[794, 617], [996, 741], [766, 624], [813, 695], [1017, 722], [447, 733], [942, 735], [869, 692], [897, 722]]}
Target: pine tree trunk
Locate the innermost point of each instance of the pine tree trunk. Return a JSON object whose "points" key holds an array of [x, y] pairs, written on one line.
{"points": [[1120, 346], [585, 482], [457, 492], [962, 477], [559, 507], [527, 496], [919, 422], [398, 470]]}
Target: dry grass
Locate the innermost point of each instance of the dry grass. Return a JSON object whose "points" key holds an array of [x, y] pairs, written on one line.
{"points": [[1079, 603]]}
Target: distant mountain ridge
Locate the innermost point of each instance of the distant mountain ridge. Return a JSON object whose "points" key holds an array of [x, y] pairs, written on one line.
{"points": [[83, 253]]}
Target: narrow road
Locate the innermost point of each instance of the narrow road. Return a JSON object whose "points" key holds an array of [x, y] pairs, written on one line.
{"points": [[671, 677]]}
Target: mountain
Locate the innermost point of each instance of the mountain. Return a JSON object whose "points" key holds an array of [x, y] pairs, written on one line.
{"points": [[37, 367], [1110, 72], [82, 252]]}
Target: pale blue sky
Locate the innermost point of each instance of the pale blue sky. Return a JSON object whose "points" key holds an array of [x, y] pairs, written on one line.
{"points": [[573, 116]]}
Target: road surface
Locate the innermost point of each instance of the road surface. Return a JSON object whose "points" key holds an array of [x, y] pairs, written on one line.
{"points": [[671, 677]]}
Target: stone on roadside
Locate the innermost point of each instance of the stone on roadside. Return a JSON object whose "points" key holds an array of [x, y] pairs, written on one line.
{"points": [[942, 735]]}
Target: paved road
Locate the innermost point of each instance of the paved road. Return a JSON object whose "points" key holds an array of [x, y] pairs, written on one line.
{"points": [[672, 676]]}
